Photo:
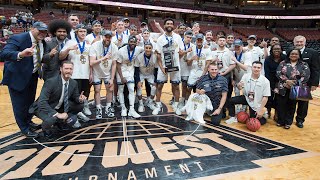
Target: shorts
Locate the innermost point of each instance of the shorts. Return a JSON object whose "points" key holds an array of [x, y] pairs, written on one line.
{"points": [[174, 77], [149, 78], [98, 81], [127, 76], [184, 78]]}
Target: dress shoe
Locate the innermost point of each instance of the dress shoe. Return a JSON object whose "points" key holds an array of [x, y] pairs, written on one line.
{"points": [[31, 134], [299, 124], [48, 136], [34, 126]]}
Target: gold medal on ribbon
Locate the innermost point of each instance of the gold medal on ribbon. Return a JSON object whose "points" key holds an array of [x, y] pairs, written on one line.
{"points": [[105, 64], [200, 63], [82, 59], [129, 64]]}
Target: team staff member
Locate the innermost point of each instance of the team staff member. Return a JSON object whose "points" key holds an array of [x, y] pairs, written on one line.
{"points": [[255, 94], [23, 54], [77, 51], [215, 87], [59, 101], [103, 56], [311, 57], [59, 29]]}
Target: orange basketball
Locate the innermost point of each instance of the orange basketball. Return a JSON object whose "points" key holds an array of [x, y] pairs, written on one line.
{"points": [[242, 117], [253, 124]]}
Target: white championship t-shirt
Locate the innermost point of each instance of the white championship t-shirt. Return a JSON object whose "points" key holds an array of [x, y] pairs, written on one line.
{"points": [[103, 69], [223, 57], [81, 66], [146, 66]]}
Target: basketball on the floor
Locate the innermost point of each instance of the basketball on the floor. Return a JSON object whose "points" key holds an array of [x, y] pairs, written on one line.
{"points": [[242, 117], [253, 124]]}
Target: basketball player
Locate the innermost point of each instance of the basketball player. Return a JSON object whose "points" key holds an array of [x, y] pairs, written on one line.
{"points": [[95, 35], [120, 38], [169, 44], [125, 67], [103, 56], [145, 65]]}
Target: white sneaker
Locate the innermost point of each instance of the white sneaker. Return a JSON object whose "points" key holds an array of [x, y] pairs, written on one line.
{"points": [[76, 125], [87, 111], [83, 117], [266, 115], [178, 111], [98, 113], [151, 105], [157, 109], [133, 113], [124, 111], [231, 120], [174, 106], [188, 118], [141, 108], [181, 103], [202, 122]]}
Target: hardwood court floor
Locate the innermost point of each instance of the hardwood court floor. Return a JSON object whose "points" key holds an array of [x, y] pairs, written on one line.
{"points": [[288, 167]]}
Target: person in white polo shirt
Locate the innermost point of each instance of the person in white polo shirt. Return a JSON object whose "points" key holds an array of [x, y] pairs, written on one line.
{"points": [[103, 56], [96, 30], [256, 90]]}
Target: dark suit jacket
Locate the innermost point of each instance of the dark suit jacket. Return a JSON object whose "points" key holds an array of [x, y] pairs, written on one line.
{"points": [[51, 93], [311, 56], [17, 73], [51, 66]]}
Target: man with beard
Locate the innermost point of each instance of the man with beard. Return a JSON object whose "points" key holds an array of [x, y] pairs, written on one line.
{"points": [[255, 94], [59, 101], [223, 56], [73, 21], [95, 35], [103, 56], [77, 51], [209, 41], [168, 46], [125, 67], [59, 29], [311, 57], [23, 54], [120, 38]]}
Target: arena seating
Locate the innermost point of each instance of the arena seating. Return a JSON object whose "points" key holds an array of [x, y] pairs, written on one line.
{"points": [[261, 33], [289, 34]]}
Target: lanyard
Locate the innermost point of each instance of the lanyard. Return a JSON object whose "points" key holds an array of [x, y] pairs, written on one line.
{"points": [[169, 41], [93, 35], [79, 45], [127, 32], [254, 85], [238, 58], [198, 51], [130, 55], [105, 52], [118, 36], [146, 60], [185, 48]]}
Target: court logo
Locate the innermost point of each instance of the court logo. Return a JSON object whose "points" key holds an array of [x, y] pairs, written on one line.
{"points": [[152, 147]]}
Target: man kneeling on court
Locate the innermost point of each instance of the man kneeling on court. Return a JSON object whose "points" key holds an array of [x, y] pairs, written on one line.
{"points": [[59, 101], [215, 87]]}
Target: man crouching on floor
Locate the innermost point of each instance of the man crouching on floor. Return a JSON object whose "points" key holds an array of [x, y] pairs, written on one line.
{"points": [[59, 101]]}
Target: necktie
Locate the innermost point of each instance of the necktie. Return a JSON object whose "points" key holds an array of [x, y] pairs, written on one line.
{"points": [[39, 65], [65, 98], [61, 46]]}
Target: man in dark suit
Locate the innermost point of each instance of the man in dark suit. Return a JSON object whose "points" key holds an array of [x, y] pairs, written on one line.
{"points": [[59, 29], [22, 67], [312, 58], [59, 100]]}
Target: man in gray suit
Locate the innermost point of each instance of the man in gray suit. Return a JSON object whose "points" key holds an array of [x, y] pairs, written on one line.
{"points": [[59, 101], [59, 29]]}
